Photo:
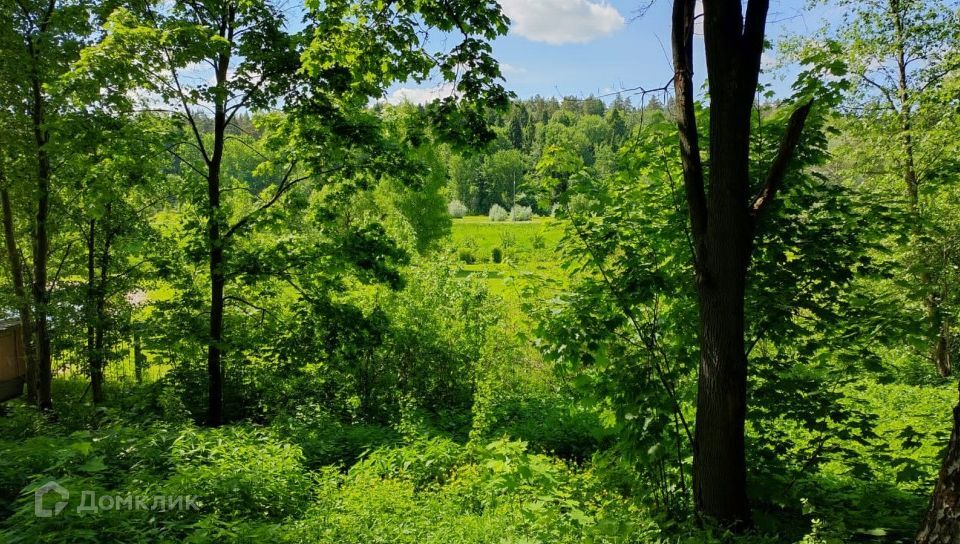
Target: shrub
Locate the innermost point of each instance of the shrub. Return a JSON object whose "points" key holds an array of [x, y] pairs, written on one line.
{"points": [[497, 255], [580, 203], [497, 213], [507, 239], [457, 209], [326, 441], [521, 213], [537, 241], [422, 461], [466, 256], [239, 472]]}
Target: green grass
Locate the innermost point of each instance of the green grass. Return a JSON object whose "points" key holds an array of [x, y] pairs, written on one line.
{"points": [[529, 249]]}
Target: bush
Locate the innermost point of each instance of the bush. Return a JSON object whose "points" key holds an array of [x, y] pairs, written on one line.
{"points": [[580, 203], [466, 256], [497, 255], [325, 440], [537, 241], [497, 213], [521, 213], [457, 209], [239, 472], [422, 461]]}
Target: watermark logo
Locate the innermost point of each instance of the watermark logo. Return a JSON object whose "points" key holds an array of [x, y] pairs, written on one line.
{"points": [[91, 503], [38, 506]]}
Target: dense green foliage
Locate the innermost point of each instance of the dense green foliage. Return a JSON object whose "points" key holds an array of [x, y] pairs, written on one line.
{"points": [[473, 320]]}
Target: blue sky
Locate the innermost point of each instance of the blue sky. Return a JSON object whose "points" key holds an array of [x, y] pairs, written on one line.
{"points": [[583, 47]]}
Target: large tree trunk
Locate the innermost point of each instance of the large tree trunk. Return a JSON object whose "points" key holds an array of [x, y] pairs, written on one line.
{"points": [[19, 289], [942, 523], [720, 471], [722, 231], [719, 474]]}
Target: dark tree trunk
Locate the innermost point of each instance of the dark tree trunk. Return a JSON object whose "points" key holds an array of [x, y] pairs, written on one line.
{"points": [[96, 377], [97, 304], [138, 357], [98, 339], [214, 353], [216, 240], [942, 522], [41, 243], [99, 353], [722, 230], [217, 282], [19, 289], [940, 329], [720, 472]]}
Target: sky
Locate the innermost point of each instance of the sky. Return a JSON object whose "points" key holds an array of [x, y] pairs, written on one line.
{"points": [[583, 47]]}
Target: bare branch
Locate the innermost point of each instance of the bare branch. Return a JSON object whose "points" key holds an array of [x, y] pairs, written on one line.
{"points": [[883, 90], [186, 110], [188, 163]]}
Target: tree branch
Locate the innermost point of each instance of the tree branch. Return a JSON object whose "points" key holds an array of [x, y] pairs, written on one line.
{"points": [[201, 173], [778, 170], [682, 38], [883, 90], [186, 110], [754, 29], [285, 185]]}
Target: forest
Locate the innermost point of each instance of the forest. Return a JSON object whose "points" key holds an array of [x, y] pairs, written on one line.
{"points": [[248, 297]]}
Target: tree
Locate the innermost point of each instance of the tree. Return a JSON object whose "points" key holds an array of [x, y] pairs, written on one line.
{"points": [[19, 287], [251, 63], [109, 210], [40, 42], [504, 172], [354, 50], [942, 521], [13, 122], [724, 210], [898, 53]]}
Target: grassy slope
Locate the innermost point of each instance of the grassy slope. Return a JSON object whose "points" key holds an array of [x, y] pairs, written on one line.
{"points": [[529, 249]]}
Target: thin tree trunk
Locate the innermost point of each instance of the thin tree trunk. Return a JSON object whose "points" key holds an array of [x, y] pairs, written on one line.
{"points": [[96, 306], [90, 308], [19, 289], [138, 358], [41, 243], [216, 240], [942, 522], [100, 322], [938, 327]]}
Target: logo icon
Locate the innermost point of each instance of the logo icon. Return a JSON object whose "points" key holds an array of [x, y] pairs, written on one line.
{"points": [[43, 512]]}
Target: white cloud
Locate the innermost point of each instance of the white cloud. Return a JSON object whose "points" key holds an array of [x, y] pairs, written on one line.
{"points": [[562, 21], [420, 95], [511, 69]]}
